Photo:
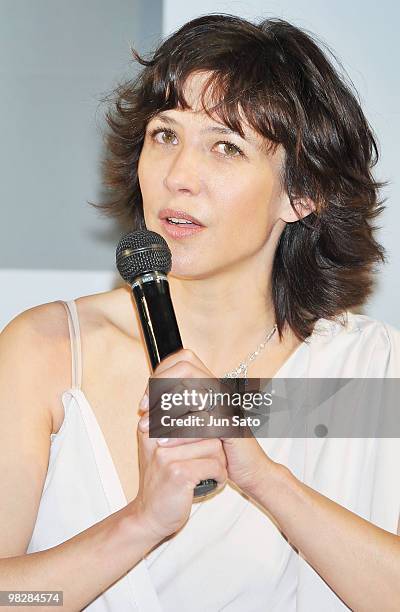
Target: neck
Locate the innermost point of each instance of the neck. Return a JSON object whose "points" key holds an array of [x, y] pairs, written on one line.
{"points": [[224, 318]]}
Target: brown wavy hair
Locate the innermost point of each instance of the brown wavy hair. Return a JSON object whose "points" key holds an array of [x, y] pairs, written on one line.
{"points": [[290, 93]]}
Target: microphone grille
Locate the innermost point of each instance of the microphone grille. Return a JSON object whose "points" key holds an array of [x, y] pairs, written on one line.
{"points": [[142, 251]]}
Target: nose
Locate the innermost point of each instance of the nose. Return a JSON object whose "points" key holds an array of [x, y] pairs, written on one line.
{"points": [[182, 175]]}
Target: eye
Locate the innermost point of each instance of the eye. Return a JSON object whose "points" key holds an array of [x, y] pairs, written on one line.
{"points": [[166, 135], [230, 149]]}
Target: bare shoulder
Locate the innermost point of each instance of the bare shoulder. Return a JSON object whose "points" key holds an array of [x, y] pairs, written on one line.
{"points": [[34, 349], [34, 335], [44, 321], [43, 331], [35, 353]]}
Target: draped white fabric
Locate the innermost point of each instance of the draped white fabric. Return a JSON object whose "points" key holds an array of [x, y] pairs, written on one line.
{"points": [[230, 556]]}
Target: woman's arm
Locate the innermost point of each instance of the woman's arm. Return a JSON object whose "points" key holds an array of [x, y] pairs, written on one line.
{"points": [[358, 560], [31, 359], [87, 564]]}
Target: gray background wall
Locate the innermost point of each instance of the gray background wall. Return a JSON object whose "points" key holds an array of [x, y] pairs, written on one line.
{"points": [[57, 59]]}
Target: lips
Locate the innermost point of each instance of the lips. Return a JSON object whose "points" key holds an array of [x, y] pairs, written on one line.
{"points": [[178, 214]]}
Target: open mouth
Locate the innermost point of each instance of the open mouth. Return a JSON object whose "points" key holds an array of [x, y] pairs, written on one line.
{"points": [[175, 221], [178, 217], [180, 228]]}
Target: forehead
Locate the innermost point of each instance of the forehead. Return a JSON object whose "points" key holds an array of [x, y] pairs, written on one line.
{"points": [[196, 93], [193, 89]]}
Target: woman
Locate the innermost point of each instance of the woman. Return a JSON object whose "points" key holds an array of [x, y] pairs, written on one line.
{"points": [[247, 131]]}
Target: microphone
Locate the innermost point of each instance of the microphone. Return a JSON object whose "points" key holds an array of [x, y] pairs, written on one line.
{"points": [[143, 259]]}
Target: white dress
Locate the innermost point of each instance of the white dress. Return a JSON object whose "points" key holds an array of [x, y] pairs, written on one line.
{"points": [[230, 556]]}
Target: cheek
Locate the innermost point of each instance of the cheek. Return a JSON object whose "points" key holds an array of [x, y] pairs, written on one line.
{"points": [[151, 174], [245, 203], [143, 173], [147, 187]]}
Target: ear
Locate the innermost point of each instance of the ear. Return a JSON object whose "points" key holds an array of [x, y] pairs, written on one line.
{"points": [[303, 206]]}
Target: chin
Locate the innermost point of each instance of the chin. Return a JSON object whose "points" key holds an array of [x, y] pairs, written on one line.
{"points": [[187, 267], [182, 269]]}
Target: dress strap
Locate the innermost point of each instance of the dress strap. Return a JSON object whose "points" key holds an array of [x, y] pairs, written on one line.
{"points": [[75, 339]]}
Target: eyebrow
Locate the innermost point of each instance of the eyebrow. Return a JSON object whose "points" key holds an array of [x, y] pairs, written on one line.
{"points": [[211, 129]]}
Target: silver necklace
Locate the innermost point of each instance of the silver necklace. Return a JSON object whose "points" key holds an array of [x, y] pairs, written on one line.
{"points": [[243, 367]]}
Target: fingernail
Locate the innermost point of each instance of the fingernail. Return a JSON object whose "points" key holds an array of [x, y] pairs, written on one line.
{"points": [[162, 440], [144, 402], [144, 423]]}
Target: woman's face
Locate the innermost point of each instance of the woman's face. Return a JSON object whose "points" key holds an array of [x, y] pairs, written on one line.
{"points": [[194, 164]]}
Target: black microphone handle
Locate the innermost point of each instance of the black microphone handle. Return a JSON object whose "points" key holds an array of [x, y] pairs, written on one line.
{"points": [[160, 330]]}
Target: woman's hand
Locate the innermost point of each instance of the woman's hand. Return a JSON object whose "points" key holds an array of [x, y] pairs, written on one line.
{"points": [[170, 471], [168, 477], [248, 467]]}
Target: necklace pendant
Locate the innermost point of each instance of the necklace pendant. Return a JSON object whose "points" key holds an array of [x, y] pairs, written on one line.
{"points": [[243, 366]]}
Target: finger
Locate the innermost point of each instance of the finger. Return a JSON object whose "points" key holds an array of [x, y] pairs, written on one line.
{"points": [[179, 365], [181, 421], [181, 369], [169, 362], [144, 402], [145, 443], [171, 442], [183, 355], [181, 388], [144, 426], [201, 469], [196, 450], [144, 423]]}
